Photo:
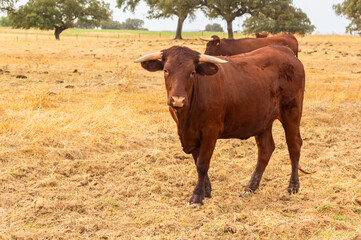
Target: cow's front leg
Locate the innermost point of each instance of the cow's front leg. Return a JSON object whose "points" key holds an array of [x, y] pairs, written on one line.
{"points": [[202, 163], [208, 186]]}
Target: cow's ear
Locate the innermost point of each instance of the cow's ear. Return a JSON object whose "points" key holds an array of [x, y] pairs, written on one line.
{"points": [[207, 68], [152, 65], [216, 40]]}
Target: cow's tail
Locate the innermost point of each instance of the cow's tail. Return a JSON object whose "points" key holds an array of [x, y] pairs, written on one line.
{"points": [[305, 172], [302, 169]]}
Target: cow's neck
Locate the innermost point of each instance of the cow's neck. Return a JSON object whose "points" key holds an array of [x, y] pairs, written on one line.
{"points": [[184, 114]]}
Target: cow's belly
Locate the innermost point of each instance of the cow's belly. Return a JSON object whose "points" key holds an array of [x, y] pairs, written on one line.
{"points": [[245, 124], [246, 131]]}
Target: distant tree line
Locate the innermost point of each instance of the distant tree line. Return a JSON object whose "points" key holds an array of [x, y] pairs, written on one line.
{"points": [[215, 27], [274, 16], [5, 22], [129, 24]]}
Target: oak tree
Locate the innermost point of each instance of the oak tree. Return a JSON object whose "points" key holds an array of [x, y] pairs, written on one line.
{"points": [[59, 14], [230, 9], [282, 17], [351, 9], [165, 9]]}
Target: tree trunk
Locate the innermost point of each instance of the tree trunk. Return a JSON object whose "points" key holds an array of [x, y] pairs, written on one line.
{"points": [[230, 29], [178, 34], [58, 30]]}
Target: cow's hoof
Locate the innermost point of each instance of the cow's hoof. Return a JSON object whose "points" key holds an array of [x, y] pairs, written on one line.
{"points": [[196, 199], [293, 187], [208, 195], [194, 204], [246, 194]]}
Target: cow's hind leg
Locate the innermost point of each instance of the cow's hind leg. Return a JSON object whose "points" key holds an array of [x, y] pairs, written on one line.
{"points": [[202, 163], [266, 147], [291, 124], [208, 186]]}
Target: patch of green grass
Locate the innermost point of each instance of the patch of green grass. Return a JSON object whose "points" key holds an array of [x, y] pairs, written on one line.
{"points": [[31, 224], [340, 217], [17, 174], [358, 190], [207, 226], [78, 31], [324, 207], [113, 204], [78, 164], [122, 33], [339, 186], [358, 211], [210, 227], [331, 234], [325, 234], [225, 234]]}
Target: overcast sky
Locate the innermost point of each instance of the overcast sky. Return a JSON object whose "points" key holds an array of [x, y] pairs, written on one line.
{"points": [[320, 12]]}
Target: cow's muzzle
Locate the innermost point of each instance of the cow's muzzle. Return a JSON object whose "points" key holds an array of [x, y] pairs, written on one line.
{"points": [[177, 101]]}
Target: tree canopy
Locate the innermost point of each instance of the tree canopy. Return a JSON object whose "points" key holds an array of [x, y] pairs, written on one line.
{"points": [[351, 9], [283, 17], [230, 9], [270, 15], [59, 14], [7, 5], [165, 9]]}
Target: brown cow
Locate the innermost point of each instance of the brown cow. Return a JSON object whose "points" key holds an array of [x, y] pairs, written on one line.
{"points": [[210, 98], [262, 34], [229, 47]]}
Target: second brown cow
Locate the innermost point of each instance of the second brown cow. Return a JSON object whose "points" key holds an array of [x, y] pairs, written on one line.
{"points": [[229, 47]]}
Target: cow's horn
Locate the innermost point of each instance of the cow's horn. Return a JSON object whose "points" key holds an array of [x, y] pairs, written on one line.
{"points": [[148, 57], [210, 59], [207, 39]]}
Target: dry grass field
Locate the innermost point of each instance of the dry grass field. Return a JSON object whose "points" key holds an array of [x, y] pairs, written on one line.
{"points": [[88, 149]]}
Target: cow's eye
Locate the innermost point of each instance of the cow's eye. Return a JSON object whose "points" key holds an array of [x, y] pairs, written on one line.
{"points": [[165, 71], [193, 73]]}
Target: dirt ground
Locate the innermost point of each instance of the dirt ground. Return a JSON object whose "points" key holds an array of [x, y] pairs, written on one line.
{"points": [[88, 149]]}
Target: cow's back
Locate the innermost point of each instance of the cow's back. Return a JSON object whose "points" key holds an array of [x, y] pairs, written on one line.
{"points": [[244, 45]]}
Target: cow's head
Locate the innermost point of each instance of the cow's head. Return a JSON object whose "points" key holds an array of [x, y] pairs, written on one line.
{"points": [[181, 66], [213, 46]]}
